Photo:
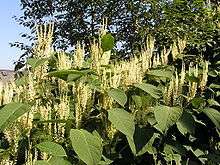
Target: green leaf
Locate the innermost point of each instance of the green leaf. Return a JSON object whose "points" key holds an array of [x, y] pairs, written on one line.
{"points": [[213, 115], [192, 78], [36, 62], [212, 102], [186, 124], [216, 86], [118, 95], [107, 42], [63, 74], [58, 161], [197, 102], [41, 162], [198, 153], [137, 100], [166, 116], [213, 73], [73, 77], [122, 121], [150, 89], [106, 161], [94, 83], [87, 146], [22, 80], [142, 136], [11, 112], [51, 148], [131, 144], [149, 146]]}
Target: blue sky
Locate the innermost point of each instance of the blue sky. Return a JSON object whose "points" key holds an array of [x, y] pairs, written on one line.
{"points": [[9, 32]]}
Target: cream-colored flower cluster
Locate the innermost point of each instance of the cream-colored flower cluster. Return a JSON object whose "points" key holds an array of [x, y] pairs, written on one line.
{"points": [[173, 94], [44, 40], [83, 96], [6, 92], [178, 47]]}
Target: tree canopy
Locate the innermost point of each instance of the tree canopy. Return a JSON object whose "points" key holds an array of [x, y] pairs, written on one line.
{"points": [[130, 21]]}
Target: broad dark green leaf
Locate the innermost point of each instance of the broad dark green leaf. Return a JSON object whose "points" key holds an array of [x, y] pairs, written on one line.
{"points": [[213, 115], [166, 116], [118, 95], [51, 148], [186, 124], [150, 89], [36, 62], [122, 121], [142, 136], [11, 112], [149, 146], [87, 146], [107, 42]]}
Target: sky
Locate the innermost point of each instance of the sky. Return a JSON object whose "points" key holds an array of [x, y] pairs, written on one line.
{"points": [[9, 32]]}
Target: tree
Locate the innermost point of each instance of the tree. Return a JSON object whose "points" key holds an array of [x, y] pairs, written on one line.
{"points": [[130, 21]]}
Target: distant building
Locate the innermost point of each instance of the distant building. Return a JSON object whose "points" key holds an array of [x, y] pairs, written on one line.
{"points": [[6, 75]]}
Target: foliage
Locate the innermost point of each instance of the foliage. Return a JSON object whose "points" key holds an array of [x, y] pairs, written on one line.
{"points": [[130, 22], [157, 107]]}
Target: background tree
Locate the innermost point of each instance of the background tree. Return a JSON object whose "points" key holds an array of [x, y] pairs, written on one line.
{"points": [[130, 21]]}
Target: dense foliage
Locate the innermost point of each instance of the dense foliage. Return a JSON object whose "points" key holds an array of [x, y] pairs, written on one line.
{"points": [[159, 104], [130, 22], [153, 108]]}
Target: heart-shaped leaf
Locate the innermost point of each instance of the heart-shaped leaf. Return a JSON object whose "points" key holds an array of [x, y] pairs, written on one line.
{"points": [[122, 121], [36, 62], [87, 146], [118, 95], [11, 112], [166, 116], [186, 124], [107, 42], [150, 89], [213, 115], [51, 148]]}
